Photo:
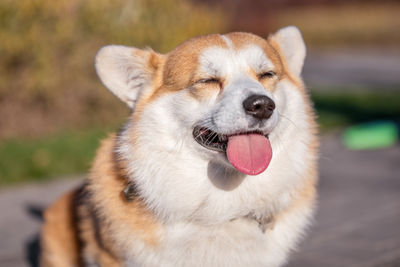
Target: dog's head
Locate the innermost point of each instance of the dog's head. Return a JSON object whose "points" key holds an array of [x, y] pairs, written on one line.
{"points": [[214, 97]]}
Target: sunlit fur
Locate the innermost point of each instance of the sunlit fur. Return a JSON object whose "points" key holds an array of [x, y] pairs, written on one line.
{"points": [[195, 203]]}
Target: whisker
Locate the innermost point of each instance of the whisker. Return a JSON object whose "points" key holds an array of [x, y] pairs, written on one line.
{"points": [[210, 139], [197, 136], [285, 117]]}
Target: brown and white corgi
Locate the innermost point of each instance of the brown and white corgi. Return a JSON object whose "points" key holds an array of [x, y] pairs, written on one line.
{"points": [[216, 166]]}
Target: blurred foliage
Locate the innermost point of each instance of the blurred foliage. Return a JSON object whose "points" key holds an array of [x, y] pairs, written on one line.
{"points": [[43, 158], [47, 78], [363, 23], [338, 107]]}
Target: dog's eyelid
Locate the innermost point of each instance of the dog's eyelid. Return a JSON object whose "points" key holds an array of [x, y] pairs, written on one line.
{"points": [[267, 74], [209, 80]]}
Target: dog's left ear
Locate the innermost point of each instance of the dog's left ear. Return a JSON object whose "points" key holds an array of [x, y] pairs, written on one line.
{"points": [[292, 46], [127, 71]]}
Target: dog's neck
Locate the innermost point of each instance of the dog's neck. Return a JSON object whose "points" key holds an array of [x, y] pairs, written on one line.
{"points": [[265, 221]]}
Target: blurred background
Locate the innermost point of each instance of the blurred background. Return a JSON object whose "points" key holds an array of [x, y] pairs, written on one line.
{"points": [[54, 110]]}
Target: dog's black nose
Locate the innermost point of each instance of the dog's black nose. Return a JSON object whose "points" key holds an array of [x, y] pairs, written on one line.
{"points": [[259, 106]]}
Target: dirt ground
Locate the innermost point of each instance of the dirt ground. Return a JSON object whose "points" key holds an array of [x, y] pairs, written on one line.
{"points": [[357, 223]]}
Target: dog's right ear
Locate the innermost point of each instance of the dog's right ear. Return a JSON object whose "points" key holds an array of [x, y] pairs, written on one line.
{"points": [[127, 71], [292, 46]]}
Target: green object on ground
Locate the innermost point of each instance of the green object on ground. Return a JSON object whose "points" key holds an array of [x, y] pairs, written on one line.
{"points": [[372, 135]]}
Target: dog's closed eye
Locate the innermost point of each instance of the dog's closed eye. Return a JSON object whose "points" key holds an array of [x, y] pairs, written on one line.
{"points": [[266, 75], [210, 80]]}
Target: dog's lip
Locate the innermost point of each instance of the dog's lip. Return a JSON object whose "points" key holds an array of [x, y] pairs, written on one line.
{"points": [[217, 141]]}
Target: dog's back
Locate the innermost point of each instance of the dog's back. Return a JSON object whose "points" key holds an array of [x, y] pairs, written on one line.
{"points": [[59, 243]]}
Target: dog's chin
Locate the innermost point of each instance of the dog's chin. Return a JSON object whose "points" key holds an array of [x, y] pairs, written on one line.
{"points": [[222, 174]]}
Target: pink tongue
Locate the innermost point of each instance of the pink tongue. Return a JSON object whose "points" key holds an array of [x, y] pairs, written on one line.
{"points": [[249, 153]]}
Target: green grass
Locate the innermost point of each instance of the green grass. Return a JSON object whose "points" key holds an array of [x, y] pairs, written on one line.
{"points": [[72, 152], [339, 108], [40, 159]]}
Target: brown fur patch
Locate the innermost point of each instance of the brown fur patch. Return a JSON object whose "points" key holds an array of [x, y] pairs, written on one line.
{"points": [[106, 185], [97, 244], [95, 225], [59, 237], [241, 39], [181, 64], [155, 68]]}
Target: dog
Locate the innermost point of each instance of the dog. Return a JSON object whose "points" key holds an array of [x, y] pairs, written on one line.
{"points": [[216, 165]]}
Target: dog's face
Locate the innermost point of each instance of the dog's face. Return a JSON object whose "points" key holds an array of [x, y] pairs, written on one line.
{"points": [[208, 114], [219, 96]]}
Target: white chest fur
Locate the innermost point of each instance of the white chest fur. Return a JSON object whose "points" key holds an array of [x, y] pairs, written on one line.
{"points": [[236, 243]]}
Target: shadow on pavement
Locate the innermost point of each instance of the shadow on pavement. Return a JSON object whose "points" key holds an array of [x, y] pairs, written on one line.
{"points": [[32, 246], [32, 251]]}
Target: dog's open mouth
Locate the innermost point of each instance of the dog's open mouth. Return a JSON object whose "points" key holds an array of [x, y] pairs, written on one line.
{"points": [[210, 139], [248, 152]]}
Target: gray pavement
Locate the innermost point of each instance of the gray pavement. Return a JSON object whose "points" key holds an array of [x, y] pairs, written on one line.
{"points": [[19, 226], [358, 218], [357, 223]]}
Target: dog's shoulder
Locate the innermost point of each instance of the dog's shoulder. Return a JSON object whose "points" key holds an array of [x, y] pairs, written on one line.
{"points": [[120, 217], [89, 224]]}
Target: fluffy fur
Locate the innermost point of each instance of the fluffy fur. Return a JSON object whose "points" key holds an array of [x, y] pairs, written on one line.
{"points": [[189, 206]]}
